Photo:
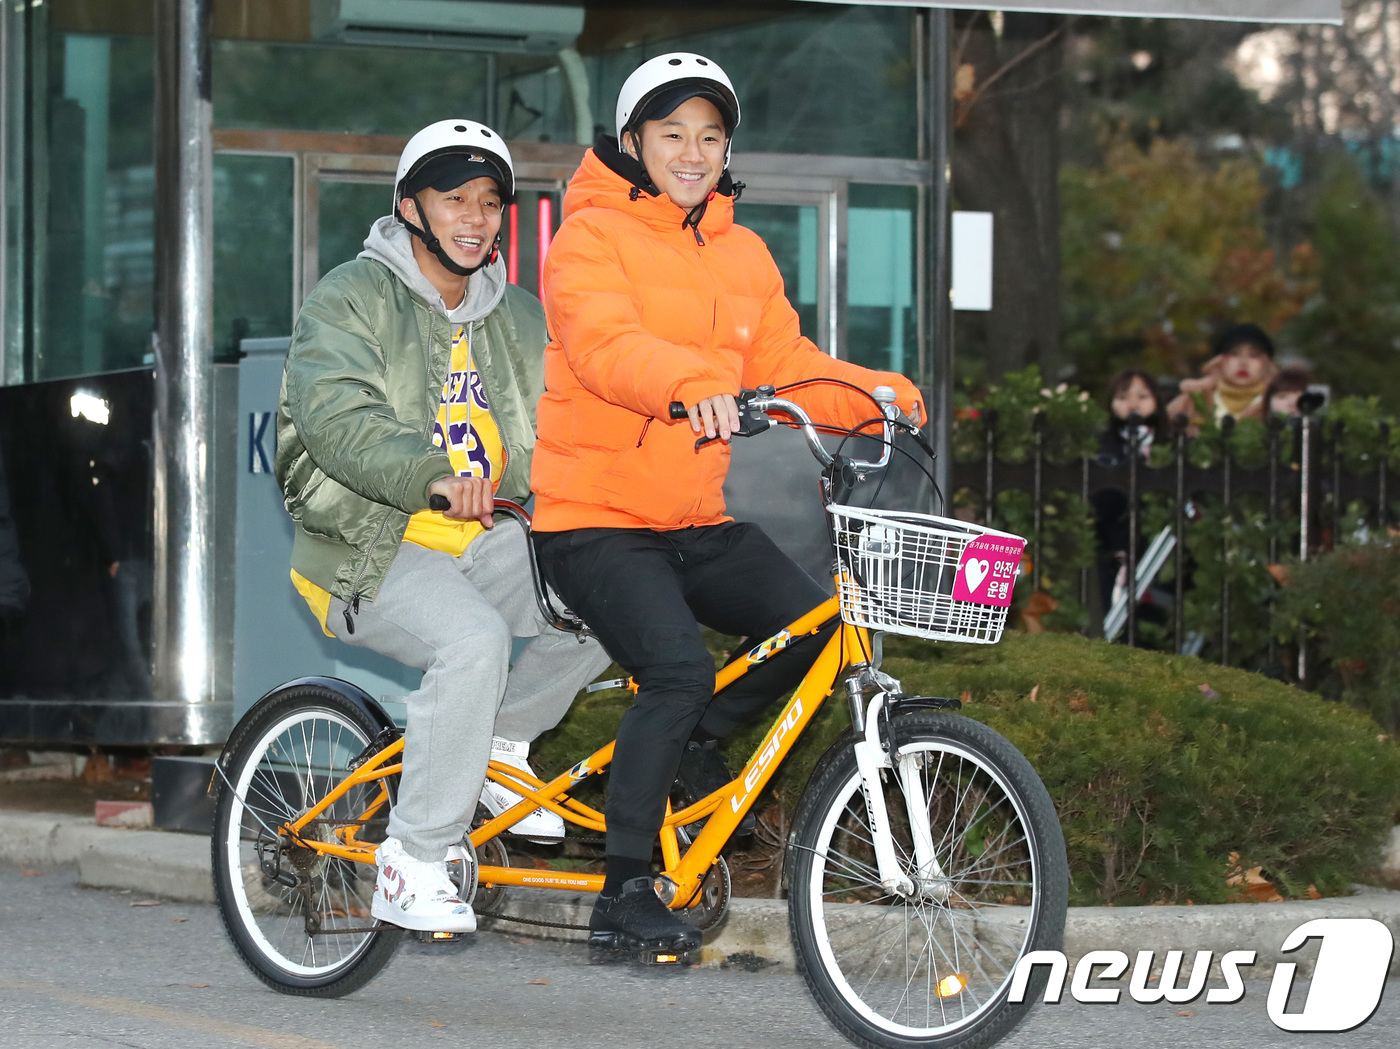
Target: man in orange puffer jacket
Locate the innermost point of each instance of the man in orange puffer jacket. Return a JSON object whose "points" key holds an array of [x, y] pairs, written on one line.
{"points": [[654, 295]]}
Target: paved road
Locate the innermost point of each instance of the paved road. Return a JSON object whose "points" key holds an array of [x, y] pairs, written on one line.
{"points": [[84, 969]]}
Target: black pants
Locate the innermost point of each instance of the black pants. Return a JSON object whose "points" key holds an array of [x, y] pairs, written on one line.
{"points": [[645, 594]]}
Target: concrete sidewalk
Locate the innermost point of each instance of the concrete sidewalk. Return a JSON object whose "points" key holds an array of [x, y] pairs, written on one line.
{"points": [[755, 933]]}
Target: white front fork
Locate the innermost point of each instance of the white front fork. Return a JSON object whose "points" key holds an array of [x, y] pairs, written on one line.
{"points": [[870, 759]]}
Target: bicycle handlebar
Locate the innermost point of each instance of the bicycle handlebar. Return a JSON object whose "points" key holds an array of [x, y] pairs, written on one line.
{"points": [[768, 404], [760, 404]]}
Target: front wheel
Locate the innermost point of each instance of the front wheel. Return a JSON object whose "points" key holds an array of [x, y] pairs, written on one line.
{"points": [[299, 918], [932, 968]]}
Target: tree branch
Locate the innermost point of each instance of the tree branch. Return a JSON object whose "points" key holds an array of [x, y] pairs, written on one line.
{"points": [[960, 119]]}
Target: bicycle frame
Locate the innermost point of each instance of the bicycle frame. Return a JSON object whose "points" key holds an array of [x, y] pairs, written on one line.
{"points": [[725, 807]]}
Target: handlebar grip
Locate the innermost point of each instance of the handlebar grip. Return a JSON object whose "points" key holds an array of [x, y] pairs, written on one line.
{"points": [[440, 503], [678, 411]]}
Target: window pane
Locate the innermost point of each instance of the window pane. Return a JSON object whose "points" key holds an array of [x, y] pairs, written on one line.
{"points": [[821, 79], [357, 90], [347, 211], [881, 300], [94, 206], [790, 231], [252, 249]]}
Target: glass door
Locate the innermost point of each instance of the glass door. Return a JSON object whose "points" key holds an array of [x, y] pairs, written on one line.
{"points": [[345, 211], [341, 196], [850, 256], [796, 226]]}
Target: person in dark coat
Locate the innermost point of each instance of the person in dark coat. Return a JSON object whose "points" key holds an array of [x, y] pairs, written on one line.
{"points": [[1135, 404]]}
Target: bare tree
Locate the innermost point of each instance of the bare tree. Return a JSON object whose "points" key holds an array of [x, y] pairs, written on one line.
{"points": [[1006, 160], [1341, 81]]}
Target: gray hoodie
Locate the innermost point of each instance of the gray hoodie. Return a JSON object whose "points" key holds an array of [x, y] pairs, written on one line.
{"points": [[390, 243]]}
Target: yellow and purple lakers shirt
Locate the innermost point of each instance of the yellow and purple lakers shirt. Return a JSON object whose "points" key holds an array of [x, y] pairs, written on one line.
{"points": [[468, 432]]}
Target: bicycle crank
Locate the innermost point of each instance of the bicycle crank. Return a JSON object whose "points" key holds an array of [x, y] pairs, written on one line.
{"points": [[710, 904]]}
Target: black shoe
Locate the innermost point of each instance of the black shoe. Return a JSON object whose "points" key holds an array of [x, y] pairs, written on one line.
{"points": [[702, 772], [636, 919]]}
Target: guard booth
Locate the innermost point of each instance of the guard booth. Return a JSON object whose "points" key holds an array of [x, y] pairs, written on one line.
{"points": [[176, 175]]}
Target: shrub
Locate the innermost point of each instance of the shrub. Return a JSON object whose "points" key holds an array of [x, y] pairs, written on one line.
{"points": [[1160, 766], [1348, 602]]}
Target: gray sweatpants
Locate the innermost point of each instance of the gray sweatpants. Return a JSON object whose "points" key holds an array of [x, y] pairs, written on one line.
{"points": [[454, 618]]}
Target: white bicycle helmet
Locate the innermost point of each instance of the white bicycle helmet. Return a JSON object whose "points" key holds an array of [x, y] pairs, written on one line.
{"points": [[659, 85], [443, 155]]}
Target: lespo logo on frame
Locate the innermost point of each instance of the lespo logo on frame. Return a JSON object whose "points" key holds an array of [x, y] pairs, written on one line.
{"points": [[1348, 979]]}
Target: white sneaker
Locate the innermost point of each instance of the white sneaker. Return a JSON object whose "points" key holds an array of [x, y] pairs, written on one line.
{"points": [[542, 826], [414, 894]]}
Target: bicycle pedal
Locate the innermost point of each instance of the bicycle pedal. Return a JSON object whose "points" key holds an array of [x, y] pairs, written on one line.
{"points": [[605, 947], [440, 937]]}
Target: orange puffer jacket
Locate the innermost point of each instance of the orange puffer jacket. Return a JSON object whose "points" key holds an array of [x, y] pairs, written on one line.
{"points": [[641, 313]]}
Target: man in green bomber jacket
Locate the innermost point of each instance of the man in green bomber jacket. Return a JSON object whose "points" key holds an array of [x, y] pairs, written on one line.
{"points": [[413, 372]]}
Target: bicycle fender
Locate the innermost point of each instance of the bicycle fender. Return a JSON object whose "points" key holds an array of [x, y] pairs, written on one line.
{"points": [[347, 690], [924, 703]]}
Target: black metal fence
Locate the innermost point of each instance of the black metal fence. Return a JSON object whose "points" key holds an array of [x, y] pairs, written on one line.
{"points": [[1307, 484]]}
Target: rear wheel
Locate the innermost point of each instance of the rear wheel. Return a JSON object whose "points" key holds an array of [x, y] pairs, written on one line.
{"points": [[300, 919], [933, 968]]}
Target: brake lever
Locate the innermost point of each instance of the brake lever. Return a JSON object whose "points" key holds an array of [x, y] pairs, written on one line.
{"points": [[751, 421], [917, 433]]}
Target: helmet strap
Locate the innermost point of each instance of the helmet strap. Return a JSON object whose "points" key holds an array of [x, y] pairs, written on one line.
{"points": [[640, 177], [434, 245]]}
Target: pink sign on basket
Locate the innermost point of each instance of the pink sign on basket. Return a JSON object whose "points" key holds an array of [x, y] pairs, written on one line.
{"points": [[987, 571]]}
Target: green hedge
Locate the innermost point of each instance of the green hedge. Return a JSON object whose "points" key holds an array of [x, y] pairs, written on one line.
{"points": [[1348, 603], [1160, 766]]}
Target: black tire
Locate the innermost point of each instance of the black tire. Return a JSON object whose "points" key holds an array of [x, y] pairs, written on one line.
{"points": [[1002, 893], [282, 757]]}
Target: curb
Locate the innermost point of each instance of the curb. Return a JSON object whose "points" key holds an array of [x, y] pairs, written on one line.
{"points": [[151, 862], [753, 937]]}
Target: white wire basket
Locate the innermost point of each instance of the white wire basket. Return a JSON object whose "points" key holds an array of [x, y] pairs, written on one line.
{"points": [[900, 572]]}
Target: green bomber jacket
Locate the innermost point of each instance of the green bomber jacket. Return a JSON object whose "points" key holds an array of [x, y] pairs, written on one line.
{"points": [[360, 394]]}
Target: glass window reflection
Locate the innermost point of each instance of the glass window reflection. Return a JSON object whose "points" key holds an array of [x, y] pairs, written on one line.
{"points": [[252, 249], [94, 206], [881, 290]]}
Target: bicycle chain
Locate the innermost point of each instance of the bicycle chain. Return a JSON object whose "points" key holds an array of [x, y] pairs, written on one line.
{"points": [[532, 921], [540, 921]]}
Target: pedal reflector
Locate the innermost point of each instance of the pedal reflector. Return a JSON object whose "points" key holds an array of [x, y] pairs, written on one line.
{"points": [[440, 937]]}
